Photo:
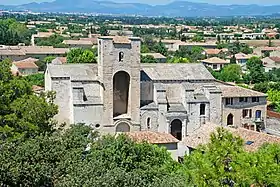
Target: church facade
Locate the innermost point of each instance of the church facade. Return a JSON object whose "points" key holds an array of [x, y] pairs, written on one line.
{"points": [[119, 94]]}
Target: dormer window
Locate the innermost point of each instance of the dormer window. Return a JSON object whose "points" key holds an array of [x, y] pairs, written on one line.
{"points": [[121, 56]]}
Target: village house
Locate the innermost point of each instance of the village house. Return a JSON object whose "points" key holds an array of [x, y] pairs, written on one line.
{"points": [[25, 67], [243, 107], [212, 52], [252, 140], [159, 57], [271, 62], [119, 94], [215, 63]]}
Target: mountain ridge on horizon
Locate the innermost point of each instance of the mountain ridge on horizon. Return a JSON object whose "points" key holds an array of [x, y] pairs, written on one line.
{"points": [[176, 8]]}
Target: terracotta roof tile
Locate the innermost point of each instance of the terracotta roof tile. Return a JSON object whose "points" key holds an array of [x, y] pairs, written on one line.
{"points": [[215, 60], [152, 137], [212, 51], [25, 65], [237, 91], [275, 59], [202, 136]]}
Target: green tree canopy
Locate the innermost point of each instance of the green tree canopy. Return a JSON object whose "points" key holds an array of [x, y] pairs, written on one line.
{"points": [[256, 73], [231, 73], [148, 59], [22, 114], [13, 32], [223, 162], [79, 55], [62, 159]]}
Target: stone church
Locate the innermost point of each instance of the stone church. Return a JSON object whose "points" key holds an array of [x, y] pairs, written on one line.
{"points": [[119, 94]]}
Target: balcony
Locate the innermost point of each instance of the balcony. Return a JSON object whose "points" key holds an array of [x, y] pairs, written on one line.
{"points": [[252, 120], [239, 105]]}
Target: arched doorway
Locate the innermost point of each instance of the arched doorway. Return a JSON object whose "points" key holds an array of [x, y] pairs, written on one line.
{"points": [[121, 83], [176, 129], [123, 127], [230, 119]]}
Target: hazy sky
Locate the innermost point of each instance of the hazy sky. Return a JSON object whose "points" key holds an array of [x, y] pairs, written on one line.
{"points": [[261, 2]]}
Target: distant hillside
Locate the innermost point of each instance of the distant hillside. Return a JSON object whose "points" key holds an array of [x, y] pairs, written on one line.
{"points": [[177, 8]]}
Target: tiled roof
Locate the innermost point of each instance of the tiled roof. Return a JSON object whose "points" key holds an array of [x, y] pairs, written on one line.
{"points": [[121, 40], [25, 65], [212, 51], [36, 88], [202, 136], [9, 52], [275, 59], [164, 71], [93, 40], [77, 42], [152, 137], [44, 50], [269, 48], [74, 71], [241, 56], [237, 91], [215, 60]]}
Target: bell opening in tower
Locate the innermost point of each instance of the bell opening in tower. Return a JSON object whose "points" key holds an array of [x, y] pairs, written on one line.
{"points": [[121, 82]]}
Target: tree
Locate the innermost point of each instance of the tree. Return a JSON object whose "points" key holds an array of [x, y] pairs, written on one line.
{"points": [[256, 71], [148, 59], [42, 64], [36, 79], [218, 39], [266, 54], [270, 43], [198, 38], [212, 164], [274, 98], [177, 60], [231, 73], [79, 55], [223, 162], [22, 114], [61, 159], [183, 38], [13, 32], [103, 31], [233, 59]]}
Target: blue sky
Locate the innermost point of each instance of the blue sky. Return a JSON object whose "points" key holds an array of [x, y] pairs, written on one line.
{"points": [[261, 2]]}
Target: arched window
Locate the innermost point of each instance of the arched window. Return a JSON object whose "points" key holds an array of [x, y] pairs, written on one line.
{"points": [[148, 123], [121, 56], [230, 119], [202, 109], [176, 129]]}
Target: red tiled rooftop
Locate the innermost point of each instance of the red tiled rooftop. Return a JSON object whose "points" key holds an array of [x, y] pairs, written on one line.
{"points": [[275, 59], [202, 136], [152, 137], [212, 51], [25, 64]]}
